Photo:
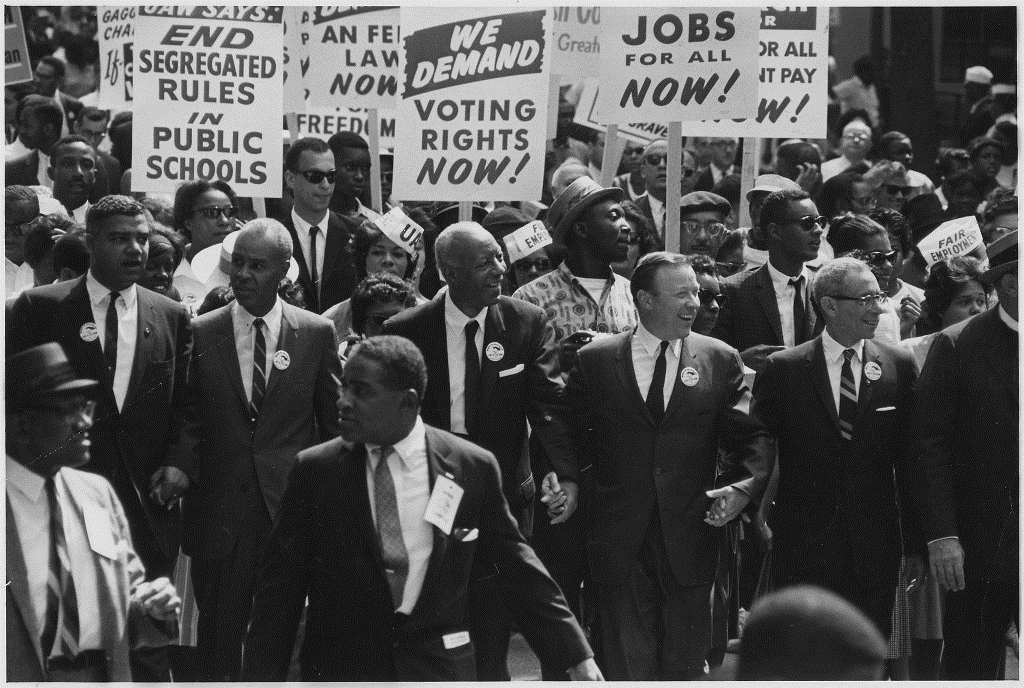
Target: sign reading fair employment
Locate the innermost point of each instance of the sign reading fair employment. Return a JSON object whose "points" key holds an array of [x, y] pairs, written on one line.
{"points": [[17, 68], [116, 33], [473, 104], [793, 74], [355, 53], [526, 240], [211, 81], [575, 43], [677, 64]]}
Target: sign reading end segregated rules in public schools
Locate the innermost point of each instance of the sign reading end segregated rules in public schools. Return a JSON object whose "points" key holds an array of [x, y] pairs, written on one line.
{"points": [[209, 93]]}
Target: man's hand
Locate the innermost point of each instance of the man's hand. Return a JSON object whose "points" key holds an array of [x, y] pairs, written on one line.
{"points": [[729, 502], [167, 485], [560, 498], [809, 177], [910, 313], [946, 557], [755, 356], [159, 599], [586, 671], [570, 345]]}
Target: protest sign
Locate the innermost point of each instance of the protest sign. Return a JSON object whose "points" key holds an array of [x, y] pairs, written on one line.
{"points": [[526, 240], [637, 132], [397, 226], [325, 122], [954, 238], [575, 42], [116, 33], [473, 104], [355, 53], [677, 64], [210, 77], [793, 75], [295, 61], [17, 68]]}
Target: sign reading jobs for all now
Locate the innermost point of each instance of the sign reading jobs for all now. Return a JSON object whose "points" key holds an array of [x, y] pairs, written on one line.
{"points": [[211, 81]]}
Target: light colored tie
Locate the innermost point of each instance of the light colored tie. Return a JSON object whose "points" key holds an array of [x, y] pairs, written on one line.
{"points": [[393, 553]]}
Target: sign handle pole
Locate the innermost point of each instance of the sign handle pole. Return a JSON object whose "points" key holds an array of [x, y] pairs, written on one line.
{"points": [[293, 127], [751, 158], [373, 129], [614, 145], [674, 178], [465, 211], [259, 204], [554, 89]]}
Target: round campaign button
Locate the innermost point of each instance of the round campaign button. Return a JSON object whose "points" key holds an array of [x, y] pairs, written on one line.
{"points": [[689, 376], [495, 352], [282, 360], [872, 371], [89, 332]]}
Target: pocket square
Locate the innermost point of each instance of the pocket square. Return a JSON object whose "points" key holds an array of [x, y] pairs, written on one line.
{"points": [[511, 371], [465, 534], [885, 408]]}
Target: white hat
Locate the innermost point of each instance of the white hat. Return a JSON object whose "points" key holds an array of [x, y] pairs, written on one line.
{"points": [[212, 264], [1003, 89], [954, 238], [978, 75]]}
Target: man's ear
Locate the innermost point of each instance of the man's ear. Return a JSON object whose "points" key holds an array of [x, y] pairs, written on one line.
{"points": [[643, 298], [580, 230], [773, 231]]}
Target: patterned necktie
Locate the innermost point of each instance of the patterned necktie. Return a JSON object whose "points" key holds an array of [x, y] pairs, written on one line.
{"points": [[799, 310], [110, 334], [60, 632], [389, 528], [314, 274], [259, 363], [656, 395], [472, 384], [847, 397]]}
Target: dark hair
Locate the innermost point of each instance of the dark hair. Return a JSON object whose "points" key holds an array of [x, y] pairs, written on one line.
{"points": [[733, 242], [218, 297], [44, 109], [295, 151], [649, 239], [647, 269], [110, 206], [791, 155], [177, 241], [346, 139], [383, 287], [848, 232], [402, 362], [292, 293], [187, 195], [944, 281], [776, 206], [120, 134], [58, 66], [67, 141], [363, 238], [728, 187], [702, 264], [900, 235], [950, 160], [834, 190], [965, 177], [39, 240], [70, 252], [889, 138], [161, 211]]}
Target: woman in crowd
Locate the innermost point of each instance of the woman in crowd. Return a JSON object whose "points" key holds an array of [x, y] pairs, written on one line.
{"points": [[729, 259], [643, 239], [986, 160], [204, 213], [376, 298], [537, 264], [906, 297], [166, 249], [847, 192], [711, 297]]}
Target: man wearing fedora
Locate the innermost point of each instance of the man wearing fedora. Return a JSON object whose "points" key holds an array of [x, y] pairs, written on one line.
{"points": [[60, 519], [967, 473]]}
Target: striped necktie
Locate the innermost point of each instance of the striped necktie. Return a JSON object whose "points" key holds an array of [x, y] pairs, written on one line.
{"points": [[847, 397], [259, 363], [60, 632], [393, 553]]}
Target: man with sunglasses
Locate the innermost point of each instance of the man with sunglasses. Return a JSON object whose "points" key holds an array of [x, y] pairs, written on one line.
{"points": [[655, 173], [840, 407], [321, 237], [632, 181]]}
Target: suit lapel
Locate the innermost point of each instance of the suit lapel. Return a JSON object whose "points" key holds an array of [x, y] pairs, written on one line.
{"points": [[145, 324], [817, 369], [304, 278], [438, 463], [1001, 357], [81, 313], [332, 248], [224, 335], [437, 359], [867, 385], [286, 341], [769, 302], [494, 332], [627, 376], [17, 579], [679, 390]]}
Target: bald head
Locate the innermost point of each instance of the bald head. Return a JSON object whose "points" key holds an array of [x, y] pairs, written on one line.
{"points": [[470, 260], [268, 231], [458, 240]]}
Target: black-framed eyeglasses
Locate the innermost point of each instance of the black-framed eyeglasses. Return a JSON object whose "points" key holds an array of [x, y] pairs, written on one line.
{"points": [[85, 410], [809, 223], [725, 269], [538, 264], [706, 296], [317, 176], [865, 301], [214, 211], [712, 228], [879, 257], [894, 189]]}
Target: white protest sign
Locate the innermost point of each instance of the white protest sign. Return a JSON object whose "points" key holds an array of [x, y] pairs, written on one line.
{"points": [[954, 238], [637, 132], [210, 78], [473, 104], [575, 42], [116, 33], [354, 53], [677, 64], [793, 74], [397, 226], [295, 61], [323, 123], [526, 240]]}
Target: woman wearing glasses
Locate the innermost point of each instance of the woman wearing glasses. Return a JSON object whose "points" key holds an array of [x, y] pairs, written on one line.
{"points": [[711, 297], [204, 213], [643, 239]]}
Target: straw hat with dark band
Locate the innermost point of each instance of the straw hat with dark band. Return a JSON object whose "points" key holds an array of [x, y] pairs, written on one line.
{"points": [[1002, 258]]}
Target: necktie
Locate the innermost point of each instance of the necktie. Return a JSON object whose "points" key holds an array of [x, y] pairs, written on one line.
{"points": [[60, 632], [314, 276], [110, 334], [259, 362], [472, 376], [656, 395], [799, 310], [393, 554], [847, 397]]}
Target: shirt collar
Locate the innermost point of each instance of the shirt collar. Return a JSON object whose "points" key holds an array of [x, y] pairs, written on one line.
{"points": [[272, 319], [1005, 317], [407, 448], [366, 211], [656, 205], [302, 227], [28, 483], [97, 292], [834, 350], [652, 344], [457, 319], [780, 279], [570, 278]]}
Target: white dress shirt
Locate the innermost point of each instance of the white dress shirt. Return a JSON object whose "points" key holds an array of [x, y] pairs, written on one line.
{"points": [[658, 213], [302, 233], [717, 173], [831, 168], [41, 173], [18, 278], [26, 493], [78, 214], [646, 348], [15, 150], [784, 295], [127, 329], [834, 361], [408, 466], [245, 340], [455, 328], [192, 291]]}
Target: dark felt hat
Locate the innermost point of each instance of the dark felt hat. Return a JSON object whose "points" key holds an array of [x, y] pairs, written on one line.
{"points": [[924, 213], [574, 201], [697, 201], [1002, 257], [505, 219], [41, 372]]}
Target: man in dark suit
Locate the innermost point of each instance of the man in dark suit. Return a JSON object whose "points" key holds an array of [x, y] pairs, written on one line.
{"points": [[841, 407], [488, 391], [722, 162], [653, 408], [654, 170], [263, 387], [769, 308], [320, 237], [138, 344], [967, 473], [382, 530]]}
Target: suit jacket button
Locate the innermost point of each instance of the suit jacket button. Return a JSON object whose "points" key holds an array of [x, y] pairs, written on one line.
{"points": [[657, 471]]}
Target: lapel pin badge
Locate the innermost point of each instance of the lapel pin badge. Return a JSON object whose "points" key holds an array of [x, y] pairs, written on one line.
{"points": [[145, 332], [282, 360], [495, 352], [89, 332], [872, 371], [689, 376]]}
